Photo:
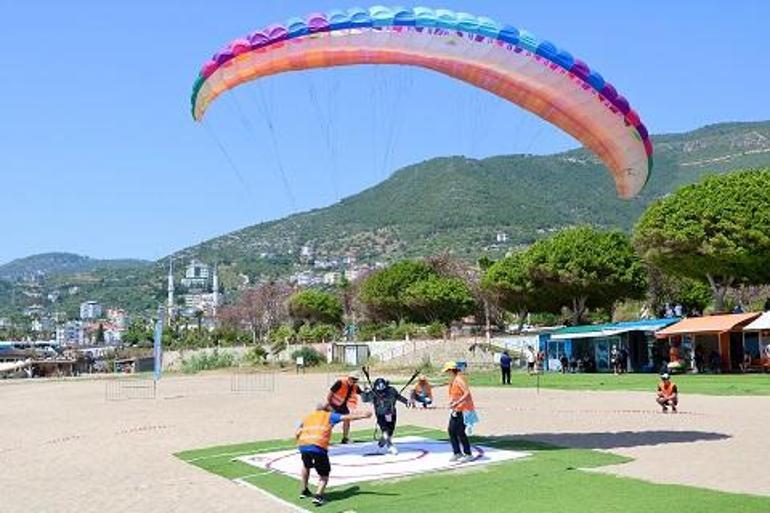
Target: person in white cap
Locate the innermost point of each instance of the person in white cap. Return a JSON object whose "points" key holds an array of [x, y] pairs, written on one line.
{"points": [[343, 398], [668, 395]]}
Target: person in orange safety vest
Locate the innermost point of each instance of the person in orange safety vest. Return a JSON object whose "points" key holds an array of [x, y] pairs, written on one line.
{"points": [[668, 395], [343, 398], [313, 438]]}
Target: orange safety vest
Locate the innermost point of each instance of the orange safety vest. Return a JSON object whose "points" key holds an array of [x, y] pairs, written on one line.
{"points": [[666, 389], [345, 395], [457, 389], [316, 429], [420, 388]]}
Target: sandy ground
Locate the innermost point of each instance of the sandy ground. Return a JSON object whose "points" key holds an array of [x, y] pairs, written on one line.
{"points": [[65, 448]]}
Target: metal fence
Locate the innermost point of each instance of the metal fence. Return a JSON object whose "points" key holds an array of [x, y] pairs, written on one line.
{"points": [[124, 389], [243, 381]]}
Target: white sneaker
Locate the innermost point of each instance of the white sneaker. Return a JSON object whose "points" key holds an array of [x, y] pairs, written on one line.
{"points": [[466, 459], [393, 450], [455, 458]]}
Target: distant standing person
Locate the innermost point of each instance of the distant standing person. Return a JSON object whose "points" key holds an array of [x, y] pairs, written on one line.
{"points": [[623, 356], [564, 363], [668, 395], [460, 405], [530, 355], [615, 359], [343, 398], [505, 367], [313, 437]]}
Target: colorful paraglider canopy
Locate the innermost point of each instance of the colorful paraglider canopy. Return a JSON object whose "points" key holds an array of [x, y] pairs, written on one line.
{"points": [[507, 61]]}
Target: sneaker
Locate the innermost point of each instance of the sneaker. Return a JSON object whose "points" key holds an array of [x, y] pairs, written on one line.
{"points": [[673, 409], [305, 494], [345, 440], [319, 500], [393, 450], [455, 458], [665, 410], [466, 458]]}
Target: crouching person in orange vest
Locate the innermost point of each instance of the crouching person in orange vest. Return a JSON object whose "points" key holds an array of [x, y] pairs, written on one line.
{"points": [[343, 398], [668, 395], [313, 437]]}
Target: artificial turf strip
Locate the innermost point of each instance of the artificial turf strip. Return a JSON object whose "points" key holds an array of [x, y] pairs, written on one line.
{"points": [[706, 384], [550, 480]]}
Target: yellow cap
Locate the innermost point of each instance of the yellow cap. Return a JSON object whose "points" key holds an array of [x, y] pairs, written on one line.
{"points": [[448, 366]]}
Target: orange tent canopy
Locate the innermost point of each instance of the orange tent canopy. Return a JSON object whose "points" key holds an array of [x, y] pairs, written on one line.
{"points": [[709, 324]]}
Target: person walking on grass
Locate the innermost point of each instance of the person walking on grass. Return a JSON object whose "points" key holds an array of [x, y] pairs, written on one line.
{"points": [[505, 367], [530, 355], [313, 437], [668, 395], [462, 415], [343, 398]]}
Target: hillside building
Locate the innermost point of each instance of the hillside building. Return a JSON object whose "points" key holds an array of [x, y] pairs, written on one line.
{"points": [[201, 284], [90, 310], [196, 276], [72, 333]]}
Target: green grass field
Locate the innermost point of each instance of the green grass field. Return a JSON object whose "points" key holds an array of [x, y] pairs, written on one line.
{"points": [[552, 479], [708, 384]]}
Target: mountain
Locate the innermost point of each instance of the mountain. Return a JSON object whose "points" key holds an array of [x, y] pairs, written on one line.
{"points": [[452, 204], [458, 204], [61, 263]]}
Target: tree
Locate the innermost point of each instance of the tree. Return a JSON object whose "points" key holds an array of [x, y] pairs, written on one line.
{"points": [[716, 231], [382, 292], [314, 306], [583, 268], [199, 320], [511, 284], [438, 298], [665, 288], [100, 334], [259, 309], [421, 291], [138, 333]]}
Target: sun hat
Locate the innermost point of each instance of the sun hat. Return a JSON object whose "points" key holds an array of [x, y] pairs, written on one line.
{"points": [[448, 366]]}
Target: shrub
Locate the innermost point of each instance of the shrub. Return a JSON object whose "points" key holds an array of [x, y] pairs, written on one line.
{"points": [[405, 328], [436, 330], [283, 333], [255, 355], [310, 355], [207, 361], [325, 333], [306, 334]]}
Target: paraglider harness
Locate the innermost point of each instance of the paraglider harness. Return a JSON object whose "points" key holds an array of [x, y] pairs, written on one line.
{"points": [[383, 397]]}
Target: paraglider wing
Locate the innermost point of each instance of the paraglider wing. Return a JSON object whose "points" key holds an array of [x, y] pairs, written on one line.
{"points": [[504, 60]]}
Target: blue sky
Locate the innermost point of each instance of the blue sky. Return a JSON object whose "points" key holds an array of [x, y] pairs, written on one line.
{"points": [[99, 155]]}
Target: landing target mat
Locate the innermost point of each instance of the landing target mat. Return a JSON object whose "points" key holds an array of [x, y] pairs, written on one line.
{"points": [[359, 462]]}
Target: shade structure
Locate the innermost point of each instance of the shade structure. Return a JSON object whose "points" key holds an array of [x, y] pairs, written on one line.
{"points": [[761, 323], [507, 61], [608, 330], [708, 324]]}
